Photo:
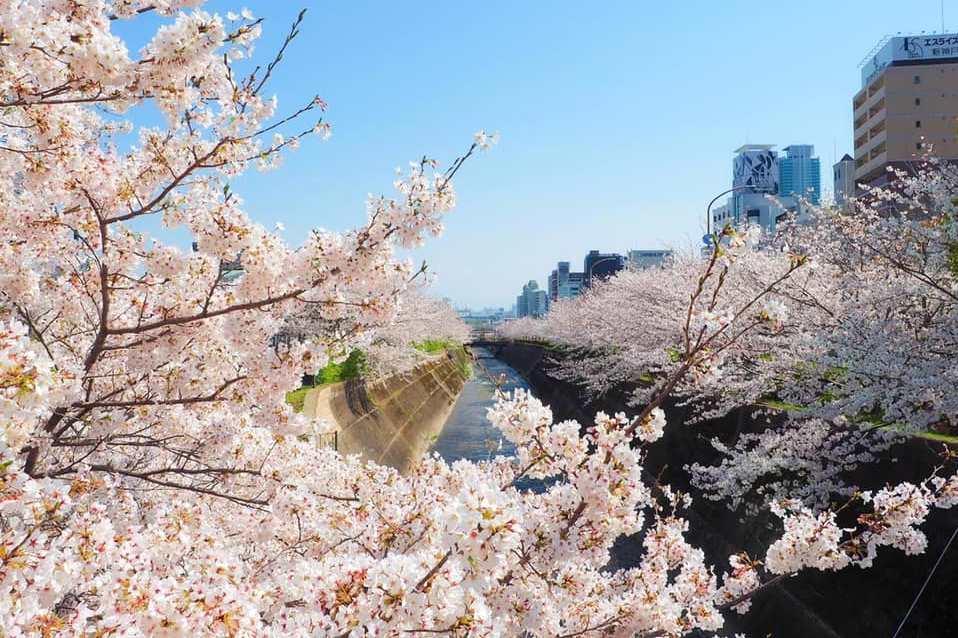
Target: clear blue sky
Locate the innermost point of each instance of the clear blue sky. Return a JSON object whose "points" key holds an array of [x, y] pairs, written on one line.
{"points": [[618, 119]]}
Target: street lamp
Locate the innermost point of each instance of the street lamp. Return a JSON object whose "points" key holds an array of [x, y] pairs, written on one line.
{"points": [[708, 210], [592, 267]]}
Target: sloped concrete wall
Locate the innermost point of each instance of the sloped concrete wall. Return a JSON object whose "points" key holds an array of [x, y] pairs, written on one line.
{"points": [[392, 421]]}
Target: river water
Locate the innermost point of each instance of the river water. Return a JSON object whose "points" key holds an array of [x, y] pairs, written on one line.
{"points": [[468, 433]]}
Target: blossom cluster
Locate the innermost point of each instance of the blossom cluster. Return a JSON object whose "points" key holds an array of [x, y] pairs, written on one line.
{"points": [[153, 481], [394, 343], [841, 329]]}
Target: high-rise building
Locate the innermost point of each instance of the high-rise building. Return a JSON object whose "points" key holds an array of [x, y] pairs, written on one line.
{"points": [[907, 108], [564, 284], [533, 302], [539, 305], [648, 258], [800, 174], [601, 266], [843, 173], [756, 166], [758, 200], [769, 186]]}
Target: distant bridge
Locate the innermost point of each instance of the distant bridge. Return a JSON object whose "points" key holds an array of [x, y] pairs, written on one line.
{"points": [[484, 335], [485, 338]]}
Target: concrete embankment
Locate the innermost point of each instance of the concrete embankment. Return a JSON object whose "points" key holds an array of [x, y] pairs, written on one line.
{"points": [[846, 604], [394, 420]]}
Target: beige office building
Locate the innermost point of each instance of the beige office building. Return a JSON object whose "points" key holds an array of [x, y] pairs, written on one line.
{"points": [[907, 109]]}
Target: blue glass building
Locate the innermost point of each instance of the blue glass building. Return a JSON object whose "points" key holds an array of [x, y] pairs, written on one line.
{"points": [[800, 174]]}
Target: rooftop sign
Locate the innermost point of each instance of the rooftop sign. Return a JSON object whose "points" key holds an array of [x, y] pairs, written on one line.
{"points": [[910, 47]]}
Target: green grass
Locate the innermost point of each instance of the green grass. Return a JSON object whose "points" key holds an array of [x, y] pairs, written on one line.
{"points": [[353, 366], [463, 362], [458, 352], [435, 346], [297, 397]]}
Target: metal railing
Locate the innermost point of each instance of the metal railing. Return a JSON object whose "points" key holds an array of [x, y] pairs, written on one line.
{"points": [[328, 440]]}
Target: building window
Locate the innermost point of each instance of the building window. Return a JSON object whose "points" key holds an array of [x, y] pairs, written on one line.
{"points": [[917, 123], [917, 80]]}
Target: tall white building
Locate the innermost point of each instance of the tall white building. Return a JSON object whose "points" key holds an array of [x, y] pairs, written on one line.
{"points": [[844, 180]]}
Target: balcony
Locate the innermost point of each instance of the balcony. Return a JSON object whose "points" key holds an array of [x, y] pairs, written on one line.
{"points": [[865, 167], [878, 150], [866, 99], [871, 114], [877, 138], [877, 107]]}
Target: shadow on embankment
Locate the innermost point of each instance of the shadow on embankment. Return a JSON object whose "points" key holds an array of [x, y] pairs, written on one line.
{"points": [[392, 421], [846, 604]]}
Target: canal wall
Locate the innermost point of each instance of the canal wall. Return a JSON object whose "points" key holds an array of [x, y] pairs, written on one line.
{"points": [[394, 420], [844, 604]]}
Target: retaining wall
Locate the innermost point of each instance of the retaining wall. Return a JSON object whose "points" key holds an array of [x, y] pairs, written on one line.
{"points": [[392, 421], [846, 604]]}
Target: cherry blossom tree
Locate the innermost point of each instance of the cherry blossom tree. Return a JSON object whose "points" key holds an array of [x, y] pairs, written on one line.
{"points": [[855, 346], [395, 344], [153, 482], [420, 320]]}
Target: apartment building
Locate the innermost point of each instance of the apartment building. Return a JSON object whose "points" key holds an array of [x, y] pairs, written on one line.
{"points": [[907, 108]]}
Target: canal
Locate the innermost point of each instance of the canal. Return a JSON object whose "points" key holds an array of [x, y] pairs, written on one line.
{"points": [[468, 433]]}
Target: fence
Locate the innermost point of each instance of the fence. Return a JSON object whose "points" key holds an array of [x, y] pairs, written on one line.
{"points": [[329, 440]]}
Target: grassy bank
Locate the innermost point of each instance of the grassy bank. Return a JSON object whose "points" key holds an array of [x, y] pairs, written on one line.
{"points": [[355, 366]]}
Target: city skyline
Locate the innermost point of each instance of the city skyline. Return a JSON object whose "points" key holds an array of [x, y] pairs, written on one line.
{"points": [[618, 125]]}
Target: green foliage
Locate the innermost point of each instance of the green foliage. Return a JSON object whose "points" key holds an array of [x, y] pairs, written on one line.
{"points": [[781, 405], [435, 346], [354, 366], [297, 397], [953, 258], [872, 419], [463, 363], [835, 373], [647, 378], [456, 350], [936, 436]]}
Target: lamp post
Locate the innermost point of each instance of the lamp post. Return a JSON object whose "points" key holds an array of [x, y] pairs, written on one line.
{"points": [[592, 267], [708, 210]]}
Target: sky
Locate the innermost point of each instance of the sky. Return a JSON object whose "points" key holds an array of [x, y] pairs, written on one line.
{"points": [[617, 119]]}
